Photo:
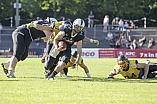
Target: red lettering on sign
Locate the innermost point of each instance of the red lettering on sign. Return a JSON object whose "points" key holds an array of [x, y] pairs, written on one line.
{"points": [[88, 53]]}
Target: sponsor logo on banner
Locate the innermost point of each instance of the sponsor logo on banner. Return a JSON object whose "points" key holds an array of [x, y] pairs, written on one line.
{"points": [[106, 53], [88, 53], [137, 53]]}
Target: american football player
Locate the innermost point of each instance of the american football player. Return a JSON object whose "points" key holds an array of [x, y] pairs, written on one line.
{"points": [[69, 34], [56, 27], [22, 38], [131, 69], [72, 64]]}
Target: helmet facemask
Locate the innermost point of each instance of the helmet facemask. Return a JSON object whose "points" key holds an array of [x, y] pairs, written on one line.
{"points": [[123, 62]]}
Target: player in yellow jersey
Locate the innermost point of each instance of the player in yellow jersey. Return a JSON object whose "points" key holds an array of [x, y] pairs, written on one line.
{"points": [[72, 64], [131, 69]]}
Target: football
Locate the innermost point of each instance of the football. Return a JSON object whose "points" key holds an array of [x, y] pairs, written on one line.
{"points": [[62, 44]]}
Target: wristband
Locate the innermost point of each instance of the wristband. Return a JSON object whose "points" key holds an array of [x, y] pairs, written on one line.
{"points": [[91, 40]]}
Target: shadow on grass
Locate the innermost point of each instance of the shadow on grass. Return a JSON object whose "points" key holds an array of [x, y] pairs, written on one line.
{"points": [[20, 78], [34, 77], [10, 80], [100, 79]]}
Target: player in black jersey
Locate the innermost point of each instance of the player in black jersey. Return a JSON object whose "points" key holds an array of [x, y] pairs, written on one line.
{"points": [[56, 27], [22, 38], [69, 34]]}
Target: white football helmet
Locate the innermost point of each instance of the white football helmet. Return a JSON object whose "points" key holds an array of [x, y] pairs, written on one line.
{"points": [[78, 25]]}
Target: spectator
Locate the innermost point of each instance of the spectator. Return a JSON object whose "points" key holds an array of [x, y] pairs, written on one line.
{"points": [[105, 23], [122, 34], [91, 16], [113, 23], [151, 43], [124, 42], [117, 35], [142, 41], [121, 24], [134, 44], [109, 36], [112, 43], [129, 41], [132, 25], [117, 44], [1, 28], [126, 25]]}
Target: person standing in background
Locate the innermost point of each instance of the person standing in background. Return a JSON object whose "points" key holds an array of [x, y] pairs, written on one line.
{"points": [[105, 23], [91, 16]]}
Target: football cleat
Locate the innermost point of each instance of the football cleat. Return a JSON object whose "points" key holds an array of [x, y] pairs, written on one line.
{"points": [[4, 69], [46, 73], [65, 76], [89, 77], [51, 79], [10, 74]]}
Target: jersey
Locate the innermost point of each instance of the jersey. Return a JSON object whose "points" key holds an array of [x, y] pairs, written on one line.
{"points": [[72, 62], [31, 32], [56, 30], [69, 37], [132, 73]]}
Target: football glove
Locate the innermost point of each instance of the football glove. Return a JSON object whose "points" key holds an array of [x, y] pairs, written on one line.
{"points": [[144, 77], [32, 24], [96, 42]]}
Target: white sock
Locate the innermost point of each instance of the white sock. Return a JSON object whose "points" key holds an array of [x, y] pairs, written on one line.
{"points": [[88, 75], [12, 69]]}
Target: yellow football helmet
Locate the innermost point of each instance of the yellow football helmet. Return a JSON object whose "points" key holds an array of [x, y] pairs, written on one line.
{"points": [[123, 62]]}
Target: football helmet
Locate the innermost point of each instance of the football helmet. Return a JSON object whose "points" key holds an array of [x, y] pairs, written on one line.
{"points": [[73, 56], [78, 25], [51, 20], [123, 62]]}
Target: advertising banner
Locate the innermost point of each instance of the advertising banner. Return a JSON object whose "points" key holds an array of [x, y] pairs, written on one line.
{"points": [[88, 52], [137, 53]]}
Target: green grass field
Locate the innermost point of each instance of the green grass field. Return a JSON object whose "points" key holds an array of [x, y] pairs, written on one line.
{"points": [[30, 85]]}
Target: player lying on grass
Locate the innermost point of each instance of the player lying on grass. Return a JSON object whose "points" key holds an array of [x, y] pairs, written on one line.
{"points": [[131, 69], [72, 64]]}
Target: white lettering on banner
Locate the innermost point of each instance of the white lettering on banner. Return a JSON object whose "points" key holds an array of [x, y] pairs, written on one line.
{"points": [[153, 55], [130, 53], [106, 51], [88, 53]]}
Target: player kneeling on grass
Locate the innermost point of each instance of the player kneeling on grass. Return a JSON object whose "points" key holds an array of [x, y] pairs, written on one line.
{"points": [[131, 69], [72, 64]]}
